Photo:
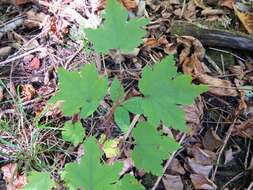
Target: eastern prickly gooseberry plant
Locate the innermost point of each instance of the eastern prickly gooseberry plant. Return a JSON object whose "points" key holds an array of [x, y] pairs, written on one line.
{"points": [[164, 92]]}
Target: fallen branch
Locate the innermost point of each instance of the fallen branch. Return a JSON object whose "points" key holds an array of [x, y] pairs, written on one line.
{"points": [[213, 37]]}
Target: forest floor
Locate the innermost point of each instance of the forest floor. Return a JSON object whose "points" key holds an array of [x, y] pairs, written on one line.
{"points": [[38, 37]]}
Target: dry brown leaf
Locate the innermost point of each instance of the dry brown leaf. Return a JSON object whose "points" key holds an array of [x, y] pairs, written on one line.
{"points": [[150, 42], [130, 4], [28, 92], [15, 2], [175, 167], [190, 11], [202, 156], [13, 181], [245, 129], [5, 51], [211, 140], [193, 115], [172, 182], [245, 15], [237, 70], [170, 49], [199, 168], [34, 64], [217, 86], [228, 156], [34, 19], [189, 61], [227, 3], [201, 182], [200, 4]]}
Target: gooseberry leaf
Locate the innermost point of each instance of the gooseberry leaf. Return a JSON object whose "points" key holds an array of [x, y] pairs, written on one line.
{"points": [[73, 133], [165, 92], [151, 148], [116, 32], [39, 181], [128, 182], [80, 91], [90, 173], [122, 119], [117, 90]]}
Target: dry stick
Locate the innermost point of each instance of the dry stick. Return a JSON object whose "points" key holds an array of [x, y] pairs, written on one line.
{"points": [[134, 121], [167, 165], [250, 186], [72, 57], [223, 147], [39, 49]]}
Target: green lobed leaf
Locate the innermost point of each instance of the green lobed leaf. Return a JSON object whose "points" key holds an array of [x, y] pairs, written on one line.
{"points": [[165, 92], [134, 105], [151, 148], [90, 174], [117, 90], [122, 119], [116, 32], [80, 91], [73, 133], [128, 182], [39, 181]]}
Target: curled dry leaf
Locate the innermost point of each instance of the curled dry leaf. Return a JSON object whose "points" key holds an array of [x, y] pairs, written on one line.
{"points": [[211, 140], [189, 61], [192, 65], [175, 167], [217, 86], [237, 70], [199, 168], [202, 156], [28, 92], [153, 42], [245, 129], [193, 115], [172, 182], [201, 182]]}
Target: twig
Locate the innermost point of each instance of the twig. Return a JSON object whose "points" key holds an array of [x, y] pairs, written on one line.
{"points": [[11, 25], [250, 186], [73, 56], [167, 164], [39, 49], [223, 147], [134, 121]]}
